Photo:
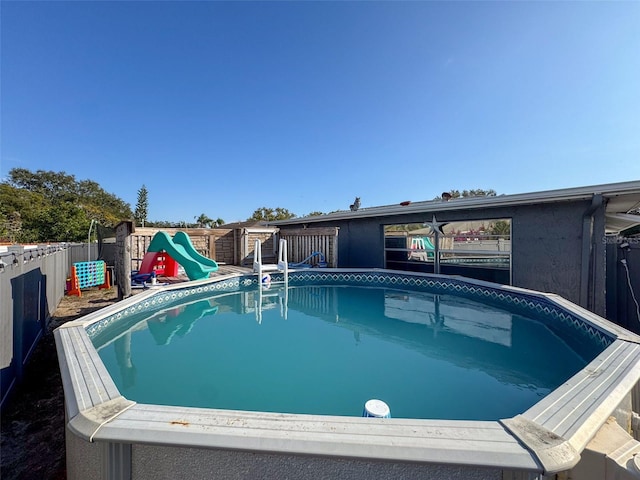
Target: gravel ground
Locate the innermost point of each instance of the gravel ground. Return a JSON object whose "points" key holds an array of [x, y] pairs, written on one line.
{"points": [[32, 424]]}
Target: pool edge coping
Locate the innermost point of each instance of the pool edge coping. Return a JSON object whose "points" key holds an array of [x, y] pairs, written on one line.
{"points": [[106, 419]]}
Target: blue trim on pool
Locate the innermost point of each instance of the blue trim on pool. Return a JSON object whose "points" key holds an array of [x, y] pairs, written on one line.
{"points": [[520, 302]]}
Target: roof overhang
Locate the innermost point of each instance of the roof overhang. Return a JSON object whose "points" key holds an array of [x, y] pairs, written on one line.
{"points": [[619, 222], [621, 198]]}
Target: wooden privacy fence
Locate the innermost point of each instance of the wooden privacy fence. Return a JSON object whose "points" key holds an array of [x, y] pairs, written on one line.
{"points": [[302, 242], [267, 237], [321, 302], [230, 246], [234, 246], [220, 244]]}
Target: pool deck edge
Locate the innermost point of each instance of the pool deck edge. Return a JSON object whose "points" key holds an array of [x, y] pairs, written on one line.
{"points": [[554, 453], [544, 439]]}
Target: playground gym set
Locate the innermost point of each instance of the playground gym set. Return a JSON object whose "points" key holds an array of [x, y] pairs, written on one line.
{"points": [[165, 254]]}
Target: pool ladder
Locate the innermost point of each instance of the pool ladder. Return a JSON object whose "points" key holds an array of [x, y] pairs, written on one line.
{"points": [[261, 268], [282, 294], [282, 265]]}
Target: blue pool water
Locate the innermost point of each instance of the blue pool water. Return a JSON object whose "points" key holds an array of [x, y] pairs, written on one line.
{"points": [[328, 349]]}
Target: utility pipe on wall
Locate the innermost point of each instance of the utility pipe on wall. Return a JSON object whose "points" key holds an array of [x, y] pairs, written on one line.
{"points": [[587, 247], [89, 241]]}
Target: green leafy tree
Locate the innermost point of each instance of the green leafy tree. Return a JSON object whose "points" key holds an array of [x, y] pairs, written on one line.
{"points": [[203, 221], [54, 206], [4, 223], [271, 214], [218, 222], [99, 205], [51, 185], [314, 214], [64, 222], [163, 224], [14, 226], [500, 227], [142, 206], [28, 206], [451, 194], [407, 227]]}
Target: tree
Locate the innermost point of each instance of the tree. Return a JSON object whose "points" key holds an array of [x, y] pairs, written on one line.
{"points": [[51, 185], [203, 221], [500, 227], [64, 222], [314, 214], [4, 225], [142, 206], [406, 227], [218, 222], [25, 205], [269, 214], [451, 194], [14, 226], [54, 206], [105, 208]]}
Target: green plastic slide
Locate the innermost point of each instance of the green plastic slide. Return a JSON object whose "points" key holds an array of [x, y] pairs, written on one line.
{"points": [[181, 249]]}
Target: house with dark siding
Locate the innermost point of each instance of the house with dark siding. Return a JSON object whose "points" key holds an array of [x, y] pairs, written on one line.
{"points": [[563, 241]]}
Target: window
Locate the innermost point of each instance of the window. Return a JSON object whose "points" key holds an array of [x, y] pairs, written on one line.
{"points": [[476, 249]]}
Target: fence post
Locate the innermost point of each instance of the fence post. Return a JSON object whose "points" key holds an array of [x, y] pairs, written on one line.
{"points": [[123, 258]]}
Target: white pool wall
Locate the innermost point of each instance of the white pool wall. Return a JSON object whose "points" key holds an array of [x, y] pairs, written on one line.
{"points": [[110, 437]]}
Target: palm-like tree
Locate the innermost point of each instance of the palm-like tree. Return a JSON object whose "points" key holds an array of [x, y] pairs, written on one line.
{"points": [[203, 220]]}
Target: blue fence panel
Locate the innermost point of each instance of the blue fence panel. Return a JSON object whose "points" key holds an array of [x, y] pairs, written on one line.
{"points": [[32, 283]]}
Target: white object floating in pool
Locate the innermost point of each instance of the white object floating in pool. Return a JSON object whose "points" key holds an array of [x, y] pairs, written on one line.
{"points": [[376, 408]]}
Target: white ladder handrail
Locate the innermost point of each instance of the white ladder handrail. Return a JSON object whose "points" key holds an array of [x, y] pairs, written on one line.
{"points": [[283, 300], [281, 266]]}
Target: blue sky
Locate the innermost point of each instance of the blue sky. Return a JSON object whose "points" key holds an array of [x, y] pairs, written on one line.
{"points": [[225, 107]]}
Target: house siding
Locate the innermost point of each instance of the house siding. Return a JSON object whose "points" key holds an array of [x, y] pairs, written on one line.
{"points": [[546, 244]]}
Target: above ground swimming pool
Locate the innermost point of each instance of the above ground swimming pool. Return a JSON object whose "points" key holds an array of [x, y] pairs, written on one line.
{"points": [[421, 352], [480, 378]]}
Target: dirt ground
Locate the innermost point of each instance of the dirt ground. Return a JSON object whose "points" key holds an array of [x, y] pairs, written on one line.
{"points": [[32, 424]]}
